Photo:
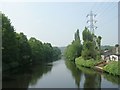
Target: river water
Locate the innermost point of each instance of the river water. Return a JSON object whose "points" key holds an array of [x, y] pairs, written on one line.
{"points": [[59, 74]]}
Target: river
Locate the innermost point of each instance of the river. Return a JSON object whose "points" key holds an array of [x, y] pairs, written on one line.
{"points": [[59, 74]]}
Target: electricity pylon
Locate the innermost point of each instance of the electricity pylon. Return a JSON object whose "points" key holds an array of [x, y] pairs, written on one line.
{"points": [[92, 21]]}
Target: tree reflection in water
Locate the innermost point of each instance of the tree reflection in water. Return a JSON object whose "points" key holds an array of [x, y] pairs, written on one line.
{"points": [[30, 75], [74, 71], [92, 79], [22, 77]]}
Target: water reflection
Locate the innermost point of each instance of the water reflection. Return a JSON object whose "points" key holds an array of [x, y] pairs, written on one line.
{"points": [[21, 78], [111, 78], [74, 71], [92, 79], [83, 77]]}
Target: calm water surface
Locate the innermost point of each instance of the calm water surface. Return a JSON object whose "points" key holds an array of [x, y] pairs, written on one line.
{"points": [[59, 74]]}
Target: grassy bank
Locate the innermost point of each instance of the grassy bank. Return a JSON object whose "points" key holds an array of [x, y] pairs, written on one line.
{"points": [[86, 63], [112, 67]]}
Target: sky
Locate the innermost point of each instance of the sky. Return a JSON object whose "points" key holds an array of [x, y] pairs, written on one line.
{"points": [[56, 22]]}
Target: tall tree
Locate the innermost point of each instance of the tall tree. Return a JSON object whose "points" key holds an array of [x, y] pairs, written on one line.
{"points": [[37, 50], [90, 45], [9, 44], [99, 42], [75, 48], [87, 35], [24, 49], [77, 37]]}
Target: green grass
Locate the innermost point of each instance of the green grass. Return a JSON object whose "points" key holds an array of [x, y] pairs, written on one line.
{"points": [[113, 68], [86, 63]]}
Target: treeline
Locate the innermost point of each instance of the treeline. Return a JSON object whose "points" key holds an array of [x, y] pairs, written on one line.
{"points": [[90, 49], [17, 50]]}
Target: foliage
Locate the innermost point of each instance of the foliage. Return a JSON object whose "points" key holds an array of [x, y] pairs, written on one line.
{"points": [[113, 68], [43, 52], [17, 50], [99, 42], [91, 45], [9, 44], [86, 63], [74, 49], [57, 53], [90, 48], [89, 51], [37, 48], [24, 49], [87, 35]]}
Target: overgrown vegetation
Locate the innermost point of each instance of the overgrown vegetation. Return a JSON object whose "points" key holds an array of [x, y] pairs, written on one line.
{"points": [[86, 63], [74, 49], [17, 50], [90, 49], [91, 45], [113, 68]]}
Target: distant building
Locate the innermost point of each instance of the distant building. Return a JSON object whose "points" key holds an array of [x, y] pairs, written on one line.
{"points": [[114, 57], [109, 56]]}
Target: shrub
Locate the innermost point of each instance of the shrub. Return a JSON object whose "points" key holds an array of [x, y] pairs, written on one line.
{"points": [[86, 63], [113, 68]]}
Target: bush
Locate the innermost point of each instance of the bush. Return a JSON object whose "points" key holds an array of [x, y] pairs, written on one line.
{"points": [[113, 68], [86, 63], [89, 51]]}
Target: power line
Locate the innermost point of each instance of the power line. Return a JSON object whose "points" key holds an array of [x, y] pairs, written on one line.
{"points": [[91, 21]]}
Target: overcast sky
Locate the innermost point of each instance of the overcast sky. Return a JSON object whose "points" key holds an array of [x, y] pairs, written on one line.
{"points": [[56, 22]]}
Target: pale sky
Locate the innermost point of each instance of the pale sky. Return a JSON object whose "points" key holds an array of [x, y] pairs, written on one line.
{"points": [[56, 22]]}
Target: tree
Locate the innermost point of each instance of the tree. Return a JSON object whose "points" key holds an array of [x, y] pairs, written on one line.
{"points": [[77, 37], [99, 42], [57, 53], [75, 48], [24, 49], [43, 52], [90, 45], [87, 35], [48, 52], [18, 51], [89, 51], [37, 50], [9, 44]]}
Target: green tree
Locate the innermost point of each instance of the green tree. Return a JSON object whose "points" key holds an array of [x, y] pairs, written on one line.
{"points": [[18, 51], [24, 49], [48, 52], [90, 45], [99, 42], [57, 53], [75, 48], [43, 52], [89, 51], [77, 37], [87, 35], [37, 50], [9, 44]]}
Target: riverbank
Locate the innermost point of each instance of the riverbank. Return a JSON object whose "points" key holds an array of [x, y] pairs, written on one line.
{"points": [[112, 67], [86, 63]]}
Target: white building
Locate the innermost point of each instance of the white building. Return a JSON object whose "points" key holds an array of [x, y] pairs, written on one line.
{"points": [[114, 57]]}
